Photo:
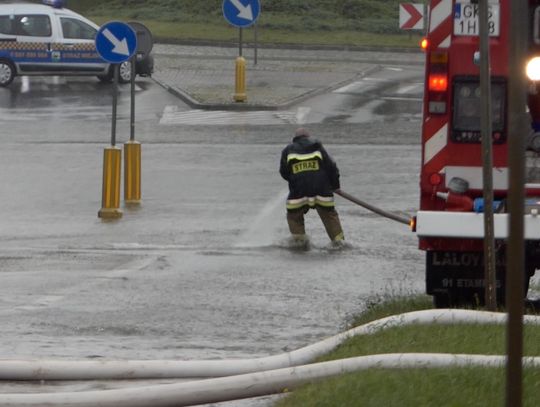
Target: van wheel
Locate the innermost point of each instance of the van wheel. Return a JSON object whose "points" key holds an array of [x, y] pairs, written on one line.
{"points": [[124, 73], [7, 72], [105, 78]]}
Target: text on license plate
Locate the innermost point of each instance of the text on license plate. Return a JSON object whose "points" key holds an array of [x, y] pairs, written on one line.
{"points": [[466, 21]]}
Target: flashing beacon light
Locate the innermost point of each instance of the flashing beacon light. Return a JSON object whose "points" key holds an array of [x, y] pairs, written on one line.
{"points": [[533, 69], [424, 44], [55, 3]]}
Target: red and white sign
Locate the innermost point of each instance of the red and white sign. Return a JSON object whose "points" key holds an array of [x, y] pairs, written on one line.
{"points": [[411, 16]]}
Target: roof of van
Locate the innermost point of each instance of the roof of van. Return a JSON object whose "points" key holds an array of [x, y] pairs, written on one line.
{"points": [[26, 7], [34, 8]]}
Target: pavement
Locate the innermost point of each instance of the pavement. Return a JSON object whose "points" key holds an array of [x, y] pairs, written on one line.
{"points": [[205, 77]]}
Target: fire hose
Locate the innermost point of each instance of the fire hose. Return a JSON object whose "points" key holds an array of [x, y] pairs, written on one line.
{"points": [[261, 378], [372, 208]]}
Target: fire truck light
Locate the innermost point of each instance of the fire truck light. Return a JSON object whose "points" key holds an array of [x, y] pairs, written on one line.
{"points": [[435, 179], [412, 224], [424, 44], [533, 69], [438, 83]]}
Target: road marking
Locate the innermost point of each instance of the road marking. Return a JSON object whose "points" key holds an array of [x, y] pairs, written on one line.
{"points": [[349, 87], [403, 98], [408, 88], [174, 116]]}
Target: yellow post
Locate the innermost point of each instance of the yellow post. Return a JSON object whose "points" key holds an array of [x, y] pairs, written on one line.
{"points": [[240, 91], [132, 173], [112, 168]]}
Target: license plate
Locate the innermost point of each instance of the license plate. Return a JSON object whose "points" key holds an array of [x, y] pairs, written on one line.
{"points": [[466, 20]]}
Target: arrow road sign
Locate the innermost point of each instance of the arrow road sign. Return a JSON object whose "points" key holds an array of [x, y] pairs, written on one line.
{"points": [[241, 13], [411, 16], [116, 42]]}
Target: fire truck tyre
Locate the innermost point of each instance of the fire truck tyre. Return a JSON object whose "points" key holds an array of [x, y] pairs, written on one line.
{"points": [[7, 72], [442, 300]]}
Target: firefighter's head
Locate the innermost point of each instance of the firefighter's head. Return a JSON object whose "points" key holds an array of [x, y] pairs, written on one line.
{"points": [[301, 132]]}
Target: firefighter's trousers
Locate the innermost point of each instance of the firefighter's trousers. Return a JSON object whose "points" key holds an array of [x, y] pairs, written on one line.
{"points": [[329, 218]]}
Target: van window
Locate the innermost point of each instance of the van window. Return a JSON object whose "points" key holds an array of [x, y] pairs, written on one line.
{"points": [[33, 25], [6, 27], [77, 29]]}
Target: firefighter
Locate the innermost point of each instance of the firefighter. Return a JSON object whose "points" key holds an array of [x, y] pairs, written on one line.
{"points": [[313, 176]]}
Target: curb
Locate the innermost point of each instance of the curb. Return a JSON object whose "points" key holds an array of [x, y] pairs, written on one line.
{"points": [[232, 106]]}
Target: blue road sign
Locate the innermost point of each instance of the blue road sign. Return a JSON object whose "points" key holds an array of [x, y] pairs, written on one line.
{"points": [[116, 42], [241, 13]]}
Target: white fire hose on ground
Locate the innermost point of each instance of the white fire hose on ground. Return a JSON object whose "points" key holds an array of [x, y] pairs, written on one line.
{"points": [[244, 377]]}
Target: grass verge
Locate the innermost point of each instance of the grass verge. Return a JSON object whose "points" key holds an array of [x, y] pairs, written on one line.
{"points": [[219, 32], [452, 387]]}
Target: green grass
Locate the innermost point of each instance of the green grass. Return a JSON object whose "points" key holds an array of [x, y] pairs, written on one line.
{"points": [[181, 32], [352, 23], [466, 387], [421, 387]]}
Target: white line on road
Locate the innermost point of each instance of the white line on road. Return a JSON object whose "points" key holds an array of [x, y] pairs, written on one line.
{"points": [[172, 115], [409, 88]]}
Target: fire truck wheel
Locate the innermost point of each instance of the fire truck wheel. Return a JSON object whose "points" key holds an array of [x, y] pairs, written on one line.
{"points": [[7, 72], [442, 300]]}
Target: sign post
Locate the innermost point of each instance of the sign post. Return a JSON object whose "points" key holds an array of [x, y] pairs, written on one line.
{"points": [[115, 43], [132, 148], [487, 157], [515, 264], [241, 14]]}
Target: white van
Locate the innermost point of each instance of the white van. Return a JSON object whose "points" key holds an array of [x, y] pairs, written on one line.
{"points": [[48, 39]]}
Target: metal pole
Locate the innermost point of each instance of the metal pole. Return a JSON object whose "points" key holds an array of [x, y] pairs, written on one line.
{"points": [[240, 42], [132, 115], [256, 40], [114, 104], [517, 130], [487, 157]]}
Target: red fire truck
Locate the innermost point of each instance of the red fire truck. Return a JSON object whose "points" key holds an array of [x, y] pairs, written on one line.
{"points": [[450, 223]]}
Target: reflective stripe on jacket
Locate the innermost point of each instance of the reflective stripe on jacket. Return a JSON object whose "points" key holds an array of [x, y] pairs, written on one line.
{"points": [[311, 173]]}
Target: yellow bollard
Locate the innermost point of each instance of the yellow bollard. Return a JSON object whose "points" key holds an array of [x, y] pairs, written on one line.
{"points": [[132, 173], [240, 91], [112, 167]]}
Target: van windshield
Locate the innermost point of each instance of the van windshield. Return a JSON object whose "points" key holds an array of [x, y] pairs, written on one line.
{"points": [[73, 28]]}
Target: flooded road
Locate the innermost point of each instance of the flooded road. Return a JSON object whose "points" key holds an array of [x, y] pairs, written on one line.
{"points": [[203, 269]]}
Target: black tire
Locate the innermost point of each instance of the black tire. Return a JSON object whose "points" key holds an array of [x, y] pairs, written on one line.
{"points": [[7, 72], [105, 78], [124, 72], [442, 300]]}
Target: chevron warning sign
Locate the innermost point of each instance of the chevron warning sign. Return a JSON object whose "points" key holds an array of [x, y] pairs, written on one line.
{"points": [[411, 16]]}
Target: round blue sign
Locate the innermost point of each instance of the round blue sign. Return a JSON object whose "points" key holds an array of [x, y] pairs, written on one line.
{"points": [[241, 13], [116, 42]]}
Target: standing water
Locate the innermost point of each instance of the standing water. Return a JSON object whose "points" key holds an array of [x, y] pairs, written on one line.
{"points": [[263, 229]]}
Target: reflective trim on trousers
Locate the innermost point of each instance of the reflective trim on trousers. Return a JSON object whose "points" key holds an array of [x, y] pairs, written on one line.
{"points": [[325, 201]]}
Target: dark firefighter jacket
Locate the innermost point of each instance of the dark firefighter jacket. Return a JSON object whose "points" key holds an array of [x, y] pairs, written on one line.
{"points": [[311, 172]]}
